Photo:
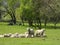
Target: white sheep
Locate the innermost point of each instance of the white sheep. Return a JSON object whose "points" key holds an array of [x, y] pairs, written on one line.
{"points": [[1, 36], [16, 35], [26, 34], [39, 32], [6, 35], [12, 36], [23, 35]]}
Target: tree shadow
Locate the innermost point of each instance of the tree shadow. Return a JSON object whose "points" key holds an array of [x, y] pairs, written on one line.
{"points": [[51, 27], [48, 27]]}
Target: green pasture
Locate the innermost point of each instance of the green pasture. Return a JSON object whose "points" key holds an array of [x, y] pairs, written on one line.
{"points": [[53, 35]]}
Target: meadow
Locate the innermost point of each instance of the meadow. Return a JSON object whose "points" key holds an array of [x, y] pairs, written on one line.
{"points": [[53, 36]]}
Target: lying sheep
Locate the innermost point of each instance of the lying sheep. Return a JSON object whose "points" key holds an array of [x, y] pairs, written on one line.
{"points": [[7, 35], [1, 36], [39, 33], [26, 34], [12, 36], [16, 35], [23, 35]]}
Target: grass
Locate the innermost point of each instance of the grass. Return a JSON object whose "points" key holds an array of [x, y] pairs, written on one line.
{"points": [[28, 41], [53, 36]]}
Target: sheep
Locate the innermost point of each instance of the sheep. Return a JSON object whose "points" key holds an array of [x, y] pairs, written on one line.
{"points": [[30, 32], [23, 35], [7, 35], [39, 33], [12, 36], [26, 34], [16, 35], [1, 36]]}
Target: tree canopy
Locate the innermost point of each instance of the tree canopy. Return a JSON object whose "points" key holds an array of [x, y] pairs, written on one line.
{"points": [[32, 11]]}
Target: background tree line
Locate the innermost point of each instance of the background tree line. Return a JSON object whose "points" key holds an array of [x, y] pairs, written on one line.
{"points": [[33, 12]]}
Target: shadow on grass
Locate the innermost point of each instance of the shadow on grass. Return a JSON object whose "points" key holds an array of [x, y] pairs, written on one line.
{"points": [[51, 27], [48, 27], [26, 25]]}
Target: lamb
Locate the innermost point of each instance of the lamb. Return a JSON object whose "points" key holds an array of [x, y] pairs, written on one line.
{"points": [[39, 33]]}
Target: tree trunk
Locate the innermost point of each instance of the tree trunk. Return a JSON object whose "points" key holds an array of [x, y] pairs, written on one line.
{"points": [[14, 18], [39, 22], [55, 25], [12, 14], [45, 22], [0, 15], [30, 22], [22, 22], [13, 21]]}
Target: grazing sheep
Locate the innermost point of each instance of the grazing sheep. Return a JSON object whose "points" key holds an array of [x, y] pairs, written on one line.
{"points": [[39, 33]]}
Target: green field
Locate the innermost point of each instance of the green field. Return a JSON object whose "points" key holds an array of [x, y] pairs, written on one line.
{"points": [[53, 36]]}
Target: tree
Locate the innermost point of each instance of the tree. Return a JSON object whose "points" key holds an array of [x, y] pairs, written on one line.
{"points": [[10, 6], [27, 12], [36, 5], [49, 8], [54, 6]]}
